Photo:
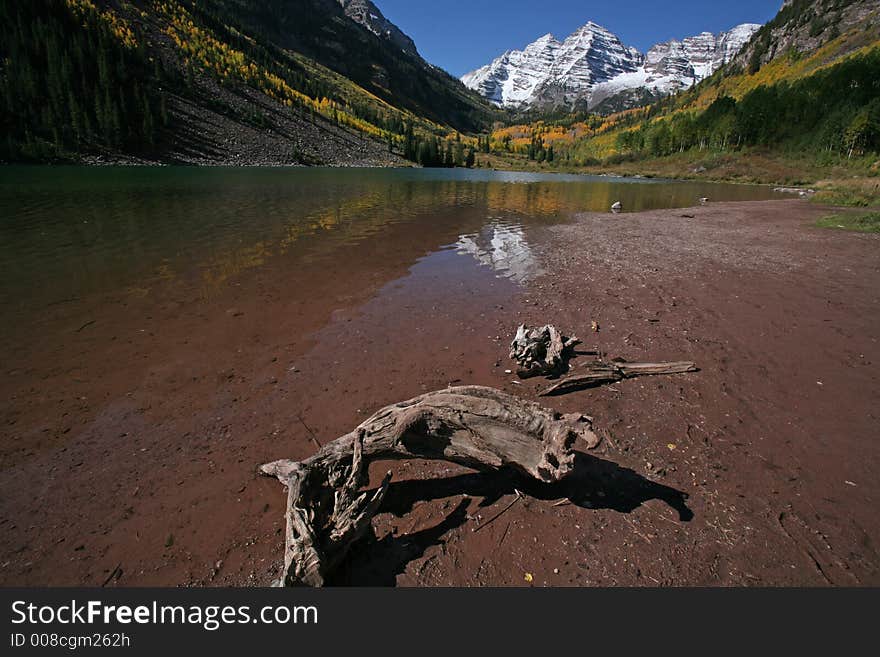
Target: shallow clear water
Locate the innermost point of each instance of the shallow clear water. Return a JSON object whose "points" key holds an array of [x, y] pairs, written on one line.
{"points": [[70, 232]]}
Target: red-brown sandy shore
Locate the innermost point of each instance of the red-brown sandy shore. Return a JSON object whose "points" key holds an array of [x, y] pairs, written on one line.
{"points": [[129, 451]]}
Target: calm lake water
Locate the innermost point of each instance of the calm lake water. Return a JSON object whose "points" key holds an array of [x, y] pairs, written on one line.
{"points": [[70, 232]]}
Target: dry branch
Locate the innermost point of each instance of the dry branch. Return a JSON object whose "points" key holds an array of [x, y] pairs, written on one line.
{"points": [[599, 373], [473, 426]]}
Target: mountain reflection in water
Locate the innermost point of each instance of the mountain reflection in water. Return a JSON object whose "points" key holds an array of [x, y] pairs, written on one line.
{"points": [[504, 248]]}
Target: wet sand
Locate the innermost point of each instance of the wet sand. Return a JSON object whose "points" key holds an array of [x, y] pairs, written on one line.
{"points": [[130, 449]]}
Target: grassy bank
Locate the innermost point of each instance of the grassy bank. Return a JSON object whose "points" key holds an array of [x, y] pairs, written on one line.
{"points": [[862, 223], [852, 183], [854, 192]]}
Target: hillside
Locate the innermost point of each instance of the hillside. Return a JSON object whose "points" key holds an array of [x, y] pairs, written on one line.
{"points": [[804, 87], [216, 81], [334, 82], [321, 31]]}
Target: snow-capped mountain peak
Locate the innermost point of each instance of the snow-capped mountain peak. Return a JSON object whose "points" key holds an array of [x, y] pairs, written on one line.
{"points": [[592, 64], [547, 38]]}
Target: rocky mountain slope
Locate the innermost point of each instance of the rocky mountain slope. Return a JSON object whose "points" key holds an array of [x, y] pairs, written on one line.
{"points": [[358, 48], [219, 82], [803, 26], [695, 58], [368, 15], [593, 65]]}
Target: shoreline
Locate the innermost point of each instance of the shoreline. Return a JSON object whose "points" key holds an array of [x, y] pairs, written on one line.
{"points": [[555, 172], [832, 192], [158, 464]]}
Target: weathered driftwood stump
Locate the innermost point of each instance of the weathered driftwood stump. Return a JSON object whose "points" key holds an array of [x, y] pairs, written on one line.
{"points": [[540, 351], [599, 373], [481, 428]]}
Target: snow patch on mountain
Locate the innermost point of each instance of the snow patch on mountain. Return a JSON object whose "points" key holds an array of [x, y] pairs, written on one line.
{"points": [[368, 15], [592, 64]]}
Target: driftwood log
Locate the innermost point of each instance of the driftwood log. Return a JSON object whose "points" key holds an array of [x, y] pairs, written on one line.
{"points": [[481, 428], [541, 351], [599, 373]]}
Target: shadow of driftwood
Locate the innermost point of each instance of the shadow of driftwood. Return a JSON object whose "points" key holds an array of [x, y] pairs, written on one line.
{"points": [[593, 484]]}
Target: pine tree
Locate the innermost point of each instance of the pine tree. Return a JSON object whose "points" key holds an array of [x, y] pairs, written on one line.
{"points": [[459, 154], [425, 157], [163, 110], [471, 158], [76, 122], [410, 150], [148, 129]]}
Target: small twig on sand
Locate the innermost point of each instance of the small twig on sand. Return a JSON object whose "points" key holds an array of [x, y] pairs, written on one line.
{"points": [[112, 575], [504, 535], [632, 526], [479, 569], [500, 513], [60, 301], [563, 503], [311, 433], [87, 324], [606, 436]]}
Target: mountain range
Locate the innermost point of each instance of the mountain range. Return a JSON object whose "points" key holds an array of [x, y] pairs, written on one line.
{"points": [[592, 66], [335, 82]]}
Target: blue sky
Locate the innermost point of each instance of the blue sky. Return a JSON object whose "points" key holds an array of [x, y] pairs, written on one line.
{"points": [[461, 35]]}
